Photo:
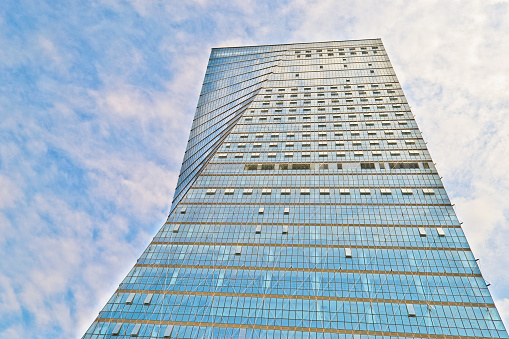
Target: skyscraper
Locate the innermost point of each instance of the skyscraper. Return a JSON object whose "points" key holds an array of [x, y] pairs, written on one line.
{"points": [[307, 206]]}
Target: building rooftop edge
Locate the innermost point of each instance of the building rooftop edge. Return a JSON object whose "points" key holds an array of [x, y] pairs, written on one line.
{"points": [[299, 43]]}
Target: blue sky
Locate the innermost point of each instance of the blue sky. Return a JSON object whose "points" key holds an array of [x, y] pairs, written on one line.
{"points": [[97, 99]]}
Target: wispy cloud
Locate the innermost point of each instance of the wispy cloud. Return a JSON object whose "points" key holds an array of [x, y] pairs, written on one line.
{"points": [[96, 102]]}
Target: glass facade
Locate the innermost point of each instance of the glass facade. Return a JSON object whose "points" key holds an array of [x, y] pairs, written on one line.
{"points": [[307, 206]]}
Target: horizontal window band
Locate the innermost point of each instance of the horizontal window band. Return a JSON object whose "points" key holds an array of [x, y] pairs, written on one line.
{"points": [[311, 297], [283, 269], [284, 328], [299, 123], [301, 224], [318, 187], [272, 203], [283, 52], [286, 173], [313, 246]]}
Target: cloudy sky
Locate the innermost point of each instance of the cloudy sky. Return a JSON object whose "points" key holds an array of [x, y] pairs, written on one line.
{"points": [[97, 99]]}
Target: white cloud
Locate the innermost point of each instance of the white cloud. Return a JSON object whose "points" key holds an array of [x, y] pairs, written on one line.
{"points": [[10, 192]]}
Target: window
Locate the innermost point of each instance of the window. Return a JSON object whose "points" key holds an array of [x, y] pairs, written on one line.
{"points": [[148, 299], [422, 232], [324, 191], [210, 191], [267, 166], [285, 191], [130, 298], [301, 166], [411, 310], [323, 166], [367, 165], [116, 329], [403, 165]]}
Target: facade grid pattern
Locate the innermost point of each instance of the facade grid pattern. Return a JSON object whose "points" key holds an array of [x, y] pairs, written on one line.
{"points": [[307, 206]]}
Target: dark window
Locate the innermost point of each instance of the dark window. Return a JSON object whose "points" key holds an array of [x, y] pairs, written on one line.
{"points": [[367, 165], [251, 167], [301, 166], [267, 166], [402, 165]]}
